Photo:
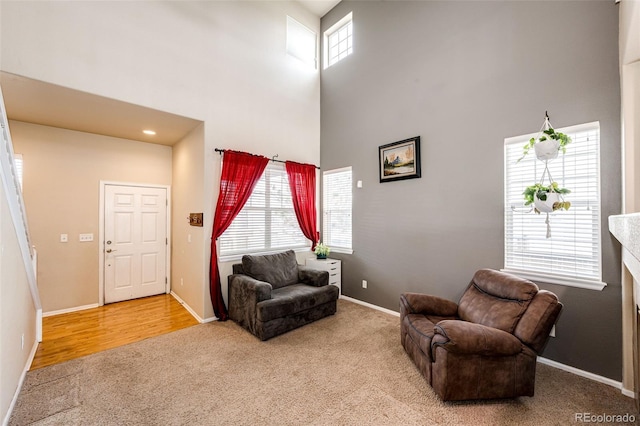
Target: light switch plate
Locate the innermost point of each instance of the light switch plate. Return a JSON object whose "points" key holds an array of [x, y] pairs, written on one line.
{"points": [[86, 237]]}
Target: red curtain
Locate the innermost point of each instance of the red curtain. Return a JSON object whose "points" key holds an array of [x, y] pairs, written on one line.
{"points": [[302, 181], [240, 173]]}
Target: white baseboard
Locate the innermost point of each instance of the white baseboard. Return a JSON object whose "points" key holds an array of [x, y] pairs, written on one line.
{"points": [[586, 374], [191, 311], [69, 310], [32, 355], [369, 305]]}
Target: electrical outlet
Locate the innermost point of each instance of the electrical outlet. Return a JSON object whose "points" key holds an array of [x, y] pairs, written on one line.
{"points": [[86, 237], [64, 238], [181, 282], [364, 283]]}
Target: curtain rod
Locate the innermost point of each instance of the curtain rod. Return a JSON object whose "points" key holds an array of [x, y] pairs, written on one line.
{"points": [[272, 158]]}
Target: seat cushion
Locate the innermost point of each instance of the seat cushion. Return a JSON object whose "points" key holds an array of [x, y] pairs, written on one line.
{"points": [[293, 299], [279, 269]]}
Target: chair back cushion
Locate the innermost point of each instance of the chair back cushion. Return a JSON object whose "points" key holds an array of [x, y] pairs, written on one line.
{"points": [[535, 325], [279, 270], [496, 299]]}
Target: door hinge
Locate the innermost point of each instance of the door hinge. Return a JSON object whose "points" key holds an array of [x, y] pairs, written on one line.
{"points": [[165, 280], [166, 241]]}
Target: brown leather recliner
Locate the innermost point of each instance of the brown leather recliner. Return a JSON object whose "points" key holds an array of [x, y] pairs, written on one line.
{"points": [[485, 346]]}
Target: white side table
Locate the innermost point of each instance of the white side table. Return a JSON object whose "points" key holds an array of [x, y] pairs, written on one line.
{"points": [[332, 266]]}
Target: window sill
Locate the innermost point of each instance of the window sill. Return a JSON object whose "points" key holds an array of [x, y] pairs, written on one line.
{"points": [[551, 279], [341, 250]]}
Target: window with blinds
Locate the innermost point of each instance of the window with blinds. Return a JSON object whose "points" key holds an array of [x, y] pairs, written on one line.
{"points": [[336, 211], [572, 255], [338, 41], [267, 223]]}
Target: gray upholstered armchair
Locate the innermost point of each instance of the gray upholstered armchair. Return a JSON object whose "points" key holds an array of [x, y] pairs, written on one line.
{"points": [[272, 294], [486, 345]]}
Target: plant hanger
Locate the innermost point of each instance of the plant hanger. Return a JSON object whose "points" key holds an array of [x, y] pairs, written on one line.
{"points": [[546, 198]]}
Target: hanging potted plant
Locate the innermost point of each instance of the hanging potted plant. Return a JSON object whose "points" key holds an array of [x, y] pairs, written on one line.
{"points": [[547, 144], [546, 199], [321, 251]]}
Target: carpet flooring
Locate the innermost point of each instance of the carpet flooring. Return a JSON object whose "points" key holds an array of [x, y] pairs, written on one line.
{"points": [[348, 369]]}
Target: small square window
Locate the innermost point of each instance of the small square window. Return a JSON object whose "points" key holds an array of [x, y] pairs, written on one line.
{"points": [[338, 41]]}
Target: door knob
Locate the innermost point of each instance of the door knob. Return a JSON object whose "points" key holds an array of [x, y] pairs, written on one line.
{"points": [[109, 250]]}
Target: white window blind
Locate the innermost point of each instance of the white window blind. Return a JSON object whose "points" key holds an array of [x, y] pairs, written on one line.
{"points": [[338, 41], [267, 223], [336, 212], [572, 255]]}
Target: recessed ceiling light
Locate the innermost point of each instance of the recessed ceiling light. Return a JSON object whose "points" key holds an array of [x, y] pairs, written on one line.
{"points": [[149, 132]]}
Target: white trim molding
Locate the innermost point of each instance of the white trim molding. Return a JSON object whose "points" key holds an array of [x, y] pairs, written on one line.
{"points": [[69, 310], [191, 311], [549, 279], [369, 305], [101, 218], [586, 374]]}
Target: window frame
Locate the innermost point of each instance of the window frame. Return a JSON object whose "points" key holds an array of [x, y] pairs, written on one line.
{"points": [[336, 248], [587, 281], [335, 28]]}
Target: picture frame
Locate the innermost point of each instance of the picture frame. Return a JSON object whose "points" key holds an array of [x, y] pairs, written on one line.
{"points": [[400, 160]]}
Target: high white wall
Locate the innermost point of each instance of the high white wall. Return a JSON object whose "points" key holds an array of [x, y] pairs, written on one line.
{"points": [[221, 62]]}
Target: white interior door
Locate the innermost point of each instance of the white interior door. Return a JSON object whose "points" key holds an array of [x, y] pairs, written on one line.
{"points": [[135, 242]]}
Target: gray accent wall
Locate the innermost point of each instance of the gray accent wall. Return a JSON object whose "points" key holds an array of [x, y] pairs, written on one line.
{"points": [[464, 76]]}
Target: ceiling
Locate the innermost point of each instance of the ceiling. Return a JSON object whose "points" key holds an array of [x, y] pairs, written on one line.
{"points": [[36, 102], [319, 7]]}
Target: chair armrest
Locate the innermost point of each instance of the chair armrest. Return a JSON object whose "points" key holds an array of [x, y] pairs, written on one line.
{"points": [[465, 337], [244, 294], [243, 287], [314, 277], [417, 303]]}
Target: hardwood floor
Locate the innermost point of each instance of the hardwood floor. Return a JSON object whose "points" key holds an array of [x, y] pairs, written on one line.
{"points": [[72, 335]]}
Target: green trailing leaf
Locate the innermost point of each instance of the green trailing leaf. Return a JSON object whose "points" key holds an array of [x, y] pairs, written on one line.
{"points": [[540, 191], [549, 133]]}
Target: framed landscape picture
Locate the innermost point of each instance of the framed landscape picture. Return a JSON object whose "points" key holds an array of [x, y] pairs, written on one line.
{"points": [[400, 160]]}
